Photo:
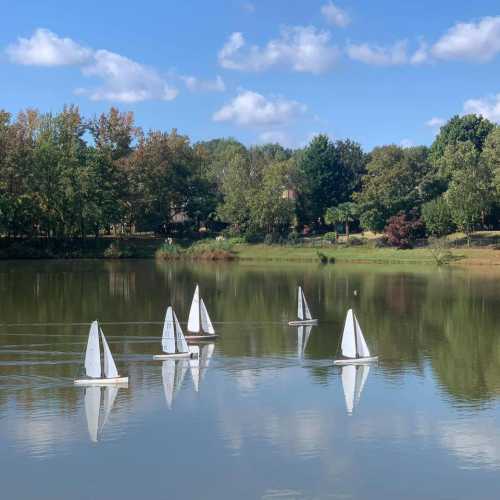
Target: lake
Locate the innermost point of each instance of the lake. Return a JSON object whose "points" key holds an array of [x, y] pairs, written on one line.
{"points": [[259, 416]]}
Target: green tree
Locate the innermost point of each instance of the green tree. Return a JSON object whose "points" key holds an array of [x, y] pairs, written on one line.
{"points": [[468, 128], [436, 215], [345, 213]]}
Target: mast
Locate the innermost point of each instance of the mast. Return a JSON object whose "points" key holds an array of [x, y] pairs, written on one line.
{"points": [[355, 333], [200, 328]]}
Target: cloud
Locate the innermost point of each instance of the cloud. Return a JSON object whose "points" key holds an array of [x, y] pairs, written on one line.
{"points": [[196, 85], [335, 15], [487, 107], [435, 122], [125, 80], [300, 48], [379, 56], [275, 137], [252, 109], [407, 143], [248, 7], [473, 41], [45, 48]]}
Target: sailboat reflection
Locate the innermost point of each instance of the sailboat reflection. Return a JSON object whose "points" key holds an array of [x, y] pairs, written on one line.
{"points": [[173, 372], [96, 424], [199, 364], [303, 333], [353, 380]]}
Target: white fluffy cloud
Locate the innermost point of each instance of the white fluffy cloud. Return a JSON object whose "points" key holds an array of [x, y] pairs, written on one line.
{"points": [[474, 41], [45, 48], [196, 85], [335, 15], [253, 109], [488, 107], [435, 122], [379, 56], [300, 48], [125, 80]]}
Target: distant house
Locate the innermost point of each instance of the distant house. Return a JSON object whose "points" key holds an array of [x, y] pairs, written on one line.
{"points": [[180, 217], [289, 194]]}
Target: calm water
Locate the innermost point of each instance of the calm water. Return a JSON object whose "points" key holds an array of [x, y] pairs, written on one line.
{"points": [[267, 420]]}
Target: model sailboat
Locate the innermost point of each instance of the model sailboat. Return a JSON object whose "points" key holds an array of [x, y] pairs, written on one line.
{"points": [[93, 369], [303, 333], [199, 363], [173, 342], [93, 408], [353, 346], [303, 312], [173, 373], [199, 321], [353, 380]]}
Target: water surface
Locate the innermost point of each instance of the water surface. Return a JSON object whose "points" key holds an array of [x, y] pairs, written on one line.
{"points": [[258, 417]]}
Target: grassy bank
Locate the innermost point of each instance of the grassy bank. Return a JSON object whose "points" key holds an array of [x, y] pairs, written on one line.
{"points": [[484, 251]]}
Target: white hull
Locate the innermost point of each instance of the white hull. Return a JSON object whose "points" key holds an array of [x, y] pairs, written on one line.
{"points": [[301, 322], [102, 381], [355, 361], [198, 338], [178, 355]]}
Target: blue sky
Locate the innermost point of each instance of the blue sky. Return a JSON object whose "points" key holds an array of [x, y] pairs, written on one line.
{"points": [[376, 72]]}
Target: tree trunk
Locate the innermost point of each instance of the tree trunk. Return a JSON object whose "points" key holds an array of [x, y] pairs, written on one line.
{"points": [[347, 230]]}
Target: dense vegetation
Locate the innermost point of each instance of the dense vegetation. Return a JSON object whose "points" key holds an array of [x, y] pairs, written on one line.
{"points": [[64, 177]]}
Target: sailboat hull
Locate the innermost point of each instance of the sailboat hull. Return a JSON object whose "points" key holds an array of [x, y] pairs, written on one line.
{"points": [[200, 338], [301, 322], [356, 361], [177, 355], [101, 381]]}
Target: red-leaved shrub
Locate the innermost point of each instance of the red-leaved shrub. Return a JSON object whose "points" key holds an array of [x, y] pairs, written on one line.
{"points": [[402, 230]]}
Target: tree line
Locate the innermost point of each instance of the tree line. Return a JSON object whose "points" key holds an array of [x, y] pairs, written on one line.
{"points": [[65, 176]]}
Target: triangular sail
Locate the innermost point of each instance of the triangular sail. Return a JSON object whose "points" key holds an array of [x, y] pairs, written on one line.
{"points": [[110, 370], [348, 345], [362, 348], [206, 324], [300, 305], [307, 313], [92, 406], [109, 400], [349, 384], [194, 313], [180, 340], [168, 336], [93, 353], [194, 365]]}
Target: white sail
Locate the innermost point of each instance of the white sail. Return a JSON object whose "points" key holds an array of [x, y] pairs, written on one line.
{"points": [[349, 384], [300, 305], [180, 340], [93, 353], [307, 313], [110, 393], [303, 333], [194, 365], [194, 313], [92, 406], [348, 345], [168, 336], [362, 348], [206, 324], [110, 370], [206, 353]]}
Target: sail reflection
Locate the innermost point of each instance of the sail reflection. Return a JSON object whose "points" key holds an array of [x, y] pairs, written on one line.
{"points": [[95, 419], [303, 334], [199, 364], [353, 380], [173, 372]]}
